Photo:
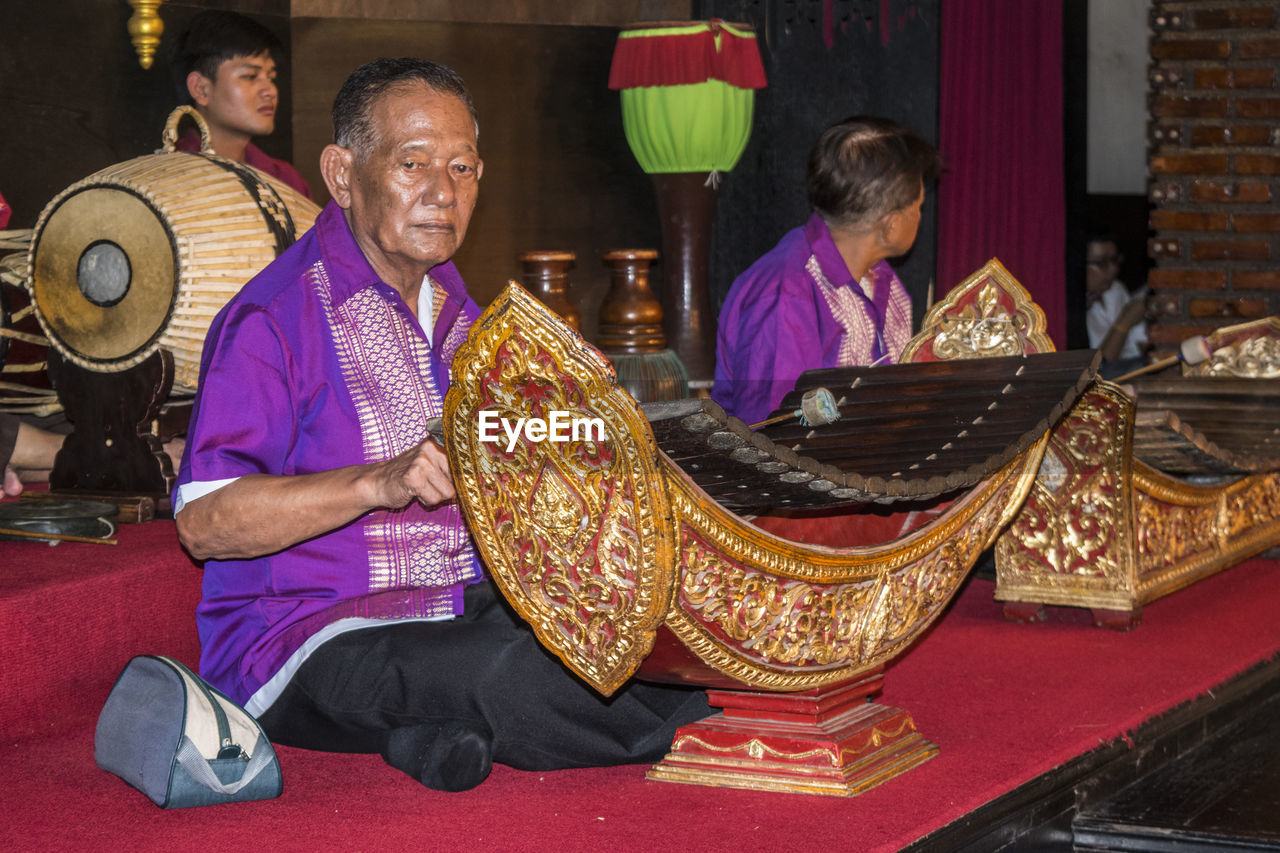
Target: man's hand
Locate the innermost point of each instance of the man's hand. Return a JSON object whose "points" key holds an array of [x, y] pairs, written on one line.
{"points": [[261, 514], [1135, 311], [420, 472]]}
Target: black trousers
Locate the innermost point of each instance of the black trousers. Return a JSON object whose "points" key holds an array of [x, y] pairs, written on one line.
{"points": [[483, 673]]}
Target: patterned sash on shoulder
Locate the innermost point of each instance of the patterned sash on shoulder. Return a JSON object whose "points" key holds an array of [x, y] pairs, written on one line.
{"points": [[388, 369]]}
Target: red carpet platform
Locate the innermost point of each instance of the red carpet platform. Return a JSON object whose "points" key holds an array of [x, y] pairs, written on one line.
{"points": [[1010, 706]]}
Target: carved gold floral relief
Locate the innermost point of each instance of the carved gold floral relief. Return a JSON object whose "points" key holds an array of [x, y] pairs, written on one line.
{"points": [[988, 314], [1169, 533], [1258, 358], [1246, 351], [1254, 502], [743, 615], [769, 619], [569, 529], [1072, 529]]}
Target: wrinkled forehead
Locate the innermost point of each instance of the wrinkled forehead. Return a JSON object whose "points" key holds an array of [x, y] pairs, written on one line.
{"points": [[413, 113]]}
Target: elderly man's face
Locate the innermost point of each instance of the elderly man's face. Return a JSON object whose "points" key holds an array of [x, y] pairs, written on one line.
{"points": [[412, 198]]}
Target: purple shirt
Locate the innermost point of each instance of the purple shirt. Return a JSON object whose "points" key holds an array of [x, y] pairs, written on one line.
{"points": [[317, 364], [798, 308], [254, 156]]}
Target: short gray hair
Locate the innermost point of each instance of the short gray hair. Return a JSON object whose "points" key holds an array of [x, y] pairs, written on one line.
{"points": [[353, 126]]}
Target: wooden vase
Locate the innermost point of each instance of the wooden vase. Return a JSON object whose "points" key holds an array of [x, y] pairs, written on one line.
{"points": [[545, 274], [630, 331]]}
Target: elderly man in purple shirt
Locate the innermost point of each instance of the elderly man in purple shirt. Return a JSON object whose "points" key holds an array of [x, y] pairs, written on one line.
{"points": [[343, 601], [825, 296]]}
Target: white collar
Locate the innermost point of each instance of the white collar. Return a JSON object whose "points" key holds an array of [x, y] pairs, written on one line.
{"points": [[426, 297]]}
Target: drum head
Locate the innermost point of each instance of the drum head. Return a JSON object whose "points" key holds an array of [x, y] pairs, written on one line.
{"points": [[104, 277]]}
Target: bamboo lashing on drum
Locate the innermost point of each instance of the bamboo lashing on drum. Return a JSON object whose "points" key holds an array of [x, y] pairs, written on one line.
{"points": [[19, 397], [191, 228], [906, 431]]}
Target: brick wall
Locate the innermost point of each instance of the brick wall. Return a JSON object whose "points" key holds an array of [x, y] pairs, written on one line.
{"points": [[1215, 165]]}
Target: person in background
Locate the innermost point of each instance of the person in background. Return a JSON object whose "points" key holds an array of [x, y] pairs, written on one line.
{"points": [[825, 296], [225, 65], [26, 451], [1115, 316]]}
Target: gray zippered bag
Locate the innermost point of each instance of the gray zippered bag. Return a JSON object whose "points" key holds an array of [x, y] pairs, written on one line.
{"points": [[179, 741]]}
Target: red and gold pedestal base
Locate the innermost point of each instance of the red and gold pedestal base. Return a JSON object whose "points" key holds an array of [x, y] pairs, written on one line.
{"points": [[830, 741]]}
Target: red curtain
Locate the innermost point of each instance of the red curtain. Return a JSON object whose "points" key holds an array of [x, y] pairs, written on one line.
{"points": [[1000, 131]]}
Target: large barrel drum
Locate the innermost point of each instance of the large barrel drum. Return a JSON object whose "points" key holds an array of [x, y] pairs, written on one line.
{"points": [[143, 254]]}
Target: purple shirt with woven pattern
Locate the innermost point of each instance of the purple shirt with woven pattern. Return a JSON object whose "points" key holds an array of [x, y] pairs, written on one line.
{"points": [[798, 308], [318, 364]]}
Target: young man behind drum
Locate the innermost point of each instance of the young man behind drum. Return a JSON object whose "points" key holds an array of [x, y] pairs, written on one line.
{"points": [[224, 64]]}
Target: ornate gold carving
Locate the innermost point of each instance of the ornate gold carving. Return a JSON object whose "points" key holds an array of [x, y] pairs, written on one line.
{"points": [[1253, 502], [988, 314], [582, 536], [780, 615], [1247, 351], [1071, 531], [774, 620], [1258, 358], [1113, 532], [571, 530], [1167, 533]]}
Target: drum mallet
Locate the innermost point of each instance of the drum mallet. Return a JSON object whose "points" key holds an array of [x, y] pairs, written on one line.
{"points": [[1193, 351], [818, 407]]}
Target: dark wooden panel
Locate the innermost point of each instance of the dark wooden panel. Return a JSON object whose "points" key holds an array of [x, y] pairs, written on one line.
{"points": [[74, 100], [1225, 794], [581, 12], [1037, 815], [558, 172], [825, 60], [1207, 425]]}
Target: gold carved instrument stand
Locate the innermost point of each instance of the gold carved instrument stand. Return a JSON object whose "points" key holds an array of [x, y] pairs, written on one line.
{"points": [[624, 566], [1147, 488]]}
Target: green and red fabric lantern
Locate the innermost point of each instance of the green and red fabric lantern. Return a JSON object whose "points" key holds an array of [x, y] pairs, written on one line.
{"points": [[688, 98]]}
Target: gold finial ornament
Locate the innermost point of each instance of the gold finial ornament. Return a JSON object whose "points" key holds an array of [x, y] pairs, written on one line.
{"points": [[145, 29]]}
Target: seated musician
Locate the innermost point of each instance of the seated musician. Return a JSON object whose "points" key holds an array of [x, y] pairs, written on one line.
{"points": [[26, 450], [225, 65], [344, 603], [1115, 318], [825, 296]]}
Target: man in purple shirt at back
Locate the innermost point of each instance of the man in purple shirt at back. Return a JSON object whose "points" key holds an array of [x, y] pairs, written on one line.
{"points": [[825, 296], [343, 601], [225, 65]]}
